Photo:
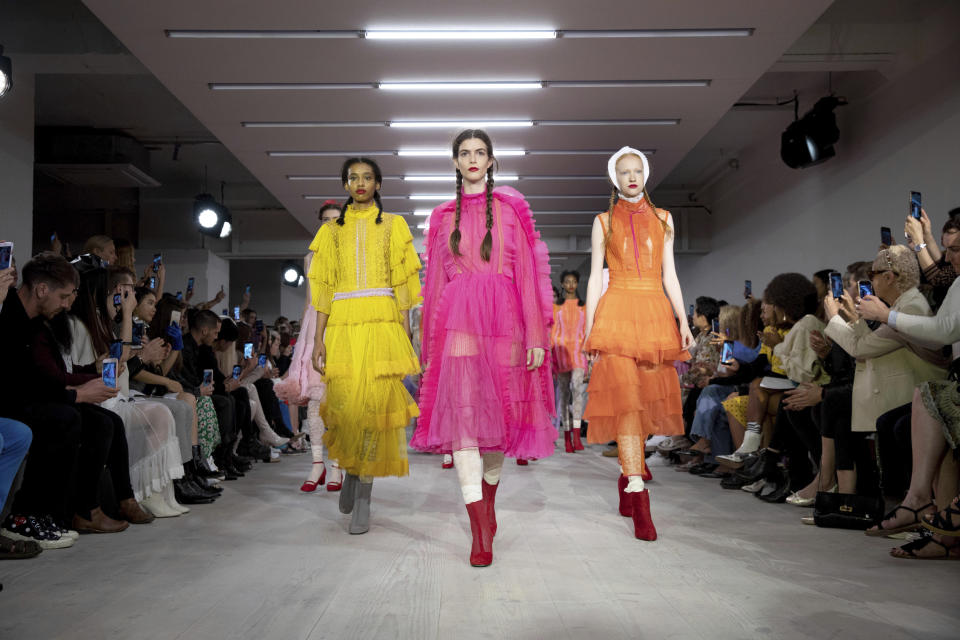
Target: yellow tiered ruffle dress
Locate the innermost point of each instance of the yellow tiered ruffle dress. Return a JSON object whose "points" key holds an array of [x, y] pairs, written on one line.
{"points": [[363, 274]]}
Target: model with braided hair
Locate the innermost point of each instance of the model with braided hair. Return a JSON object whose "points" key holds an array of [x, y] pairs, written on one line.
{"points": [[364, 278], [487, 311], [632, 331]]}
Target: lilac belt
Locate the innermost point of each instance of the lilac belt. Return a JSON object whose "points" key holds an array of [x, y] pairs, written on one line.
{"points": [[364, 293]]}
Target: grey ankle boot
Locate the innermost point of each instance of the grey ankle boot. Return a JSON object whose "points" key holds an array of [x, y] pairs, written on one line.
{"points": [[360, 523], [348, 492]]}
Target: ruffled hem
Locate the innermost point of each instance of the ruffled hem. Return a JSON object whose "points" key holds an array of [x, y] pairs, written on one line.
{"points": [[302, 383], [478, 392], [638, 325], [153, 473], [630, 398]]}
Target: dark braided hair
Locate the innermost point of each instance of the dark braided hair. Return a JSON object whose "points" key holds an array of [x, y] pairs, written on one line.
{"points": [[378, 178], [486, 247]]}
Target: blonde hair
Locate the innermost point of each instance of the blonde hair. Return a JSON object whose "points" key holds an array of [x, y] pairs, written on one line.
{"points": [[730, 321], [903, 262]]}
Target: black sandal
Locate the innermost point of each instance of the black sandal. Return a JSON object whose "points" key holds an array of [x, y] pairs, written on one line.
{"points": [[925, 539], [18, 549], [913, 526], [943, 521]]}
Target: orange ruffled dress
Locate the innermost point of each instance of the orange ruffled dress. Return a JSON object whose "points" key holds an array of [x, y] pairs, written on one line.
{"points": [[634, 389]]}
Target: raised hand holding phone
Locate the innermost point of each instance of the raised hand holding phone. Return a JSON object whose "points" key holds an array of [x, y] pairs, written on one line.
{"points": [[109, 374]]}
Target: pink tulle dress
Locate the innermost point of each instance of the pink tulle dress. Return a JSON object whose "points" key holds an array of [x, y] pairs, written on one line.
{"points": [[479, 319], [302, 382]]}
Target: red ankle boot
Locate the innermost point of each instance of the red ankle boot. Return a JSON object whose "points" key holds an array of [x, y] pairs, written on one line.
{"points": [[568, 441], [577, 444], [489, 498], [626, 509], [481, 553], [646, 476], [643, 527]]}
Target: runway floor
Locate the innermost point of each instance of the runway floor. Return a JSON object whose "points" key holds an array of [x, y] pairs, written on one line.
{"points": [[267, 561]]}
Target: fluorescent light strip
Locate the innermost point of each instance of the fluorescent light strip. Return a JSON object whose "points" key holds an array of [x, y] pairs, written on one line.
{"points": [[454, 34], [456, 86], [460, 86], [422, 212], [442, 197], [451, 178], [452, 124], [657, 33], [462, 124], [442, 153], [445, 153]]}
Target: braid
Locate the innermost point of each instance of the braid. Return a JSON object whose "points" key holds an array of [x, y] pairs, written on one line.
{"points": [[663, 221], [343, 211], [487, 245], [614, 197], [455, 234], [376, 197]]}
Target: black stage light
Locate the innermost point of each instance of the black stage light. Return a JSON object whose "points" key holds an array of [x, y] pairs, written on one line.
{"points": [[291, 274], [6, 74], [213, 219], [809, 140]]}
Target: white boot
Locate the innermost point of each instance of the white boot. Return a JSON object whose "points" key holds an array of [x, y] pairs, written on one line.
{"points": [[171, 499], [156, 505], [751, 442]]}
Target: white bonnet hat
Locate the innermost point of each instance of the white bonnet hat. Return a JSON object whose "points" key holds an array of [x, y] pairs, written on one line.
{"points": [[625, 151]]}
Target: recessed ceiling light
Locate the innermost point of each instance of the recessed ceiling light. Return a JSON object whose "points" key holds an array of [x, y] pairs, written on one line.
{"points": [[656, 33], [461, 124], [459, 86], [439, 197], [460, 34], [451, 177], [622, 84]]}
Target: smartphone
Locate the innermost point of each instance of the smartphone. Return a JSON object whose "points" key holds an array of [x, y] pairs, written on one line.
{"points": [[157, 259], [190, 281], [180, 296], [137, 338], [886, 238], [53, 237], [866, 288], [248, 350], [110, 372], [237, 370], [6, 254], [262, 360], [715, 325], [152, 283], [915, 204], [836, 284], [175, 318], [117, 300], [691, 311], [207, 377], [236, 313], [116, 349], [246, 290], [258, 325], [747, 288], [226, 312], [726, 352]]}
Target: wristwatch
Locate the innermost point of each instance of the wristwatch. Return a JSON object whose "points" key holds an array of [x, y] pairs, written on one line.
{"points": [[920, 247]]}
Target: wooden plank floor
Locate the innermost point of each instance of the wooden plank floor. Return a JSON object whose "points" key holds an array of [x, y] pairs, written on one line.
{"points": [[267, 561]]}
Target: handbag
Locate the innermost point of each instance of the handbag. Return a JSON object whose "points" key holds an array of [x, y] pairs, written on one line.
{"points": [[847, 511]]}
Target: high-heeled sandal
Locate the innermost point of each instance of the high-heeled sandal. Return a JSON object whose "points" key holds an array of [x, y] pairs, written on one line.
{"points": [[336, 485], [309, 486], [880, 530]]}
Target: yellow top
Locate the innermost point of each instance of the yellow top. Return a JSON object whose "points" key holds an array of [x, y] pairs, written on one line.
{"points": [[363, 255]]}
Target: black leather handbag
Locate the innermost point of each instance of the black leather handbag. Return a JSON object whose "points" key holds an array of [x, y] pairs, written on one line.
{"points": [[847, 511]]}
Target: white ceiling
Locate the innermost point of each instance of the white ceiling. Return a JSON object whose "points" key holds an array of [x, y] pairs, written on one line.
{"points": [[188, 66]]}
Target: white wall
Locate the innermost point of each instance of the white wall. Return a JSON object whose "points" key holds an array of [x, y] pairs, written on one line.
{"points": [[16, 166], [769, 218], [210, 272]]}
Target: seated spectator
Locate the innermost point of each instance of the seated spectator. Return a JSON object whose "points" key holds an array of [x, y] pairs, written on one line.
{"points": [[888, 368], [935, 422], [103, 248], [72, 437], [936, 269]]}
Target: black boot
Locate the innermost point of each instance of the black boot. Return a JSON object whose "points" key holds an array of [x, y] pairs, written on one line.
{"points": [[188, 493], [200, 464]]}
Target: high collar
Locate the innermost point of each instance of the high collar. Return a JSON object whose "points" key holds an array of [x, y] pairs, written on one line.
{"points": [[632, 207], [362, 214], [473, 196]]}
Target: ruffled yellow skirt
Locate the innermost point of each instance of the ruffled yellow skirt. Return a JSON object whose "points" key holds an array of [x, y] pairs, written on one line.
{"points": [[368, 408]]}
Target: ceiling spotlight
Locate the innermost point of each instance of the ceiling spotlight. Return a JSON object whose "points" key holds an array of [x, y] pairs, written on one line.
{"points": [[809, 140], [213, 219], [291, 274], [6, 73]]}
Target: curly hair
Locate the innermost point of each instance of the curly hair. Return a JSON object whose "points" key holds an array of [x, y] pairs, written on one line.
{"points": [[707, 307], [793, 294]]}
